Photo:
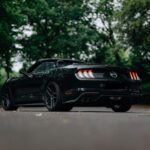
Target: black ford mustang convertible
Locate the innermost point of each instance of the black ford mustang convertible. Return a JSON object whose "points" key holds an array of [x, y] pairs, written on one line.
{"points": [[61, 84]]}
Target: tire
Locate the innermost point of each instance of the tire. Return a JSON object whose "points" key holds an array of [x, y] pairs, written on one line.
{"points": [[121, 107], [7, 103], [53, 98]]}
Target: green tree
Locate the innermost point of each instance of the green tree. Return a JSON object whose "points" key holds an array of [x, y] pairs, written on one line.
{"points": [[105, 11], [60, 28], [134, 25], [9, 18]]}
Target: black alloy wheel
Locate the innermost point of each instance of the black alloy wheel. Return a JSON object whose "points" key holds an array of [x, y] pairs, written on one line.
{"points": [[53, 98], [7, 103]]}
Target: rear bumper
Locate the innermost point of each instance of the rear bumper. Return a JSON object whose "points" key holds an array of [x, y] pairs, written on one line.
{"points": [[96, 97]]}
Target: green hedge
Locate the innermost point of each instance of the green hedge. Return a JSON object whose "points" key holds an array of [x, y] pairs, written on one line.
{"points": [[0, 95], [145, 93], [146, 87]]}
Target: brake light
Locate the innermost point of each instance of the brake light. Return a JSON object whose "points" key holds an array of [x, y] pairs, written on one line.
{"points": [[91, 73], [85, 74], [80, 74], [134, 75], [131, 76], [137, 76]]}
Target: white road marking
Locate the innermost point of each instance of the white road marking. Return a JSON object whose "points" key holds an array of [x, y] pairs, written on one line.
{"points": [[38, 114]]}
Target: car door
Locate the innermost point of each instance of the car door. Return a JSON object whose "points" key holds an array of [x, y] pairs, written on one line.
{"points": [[28, 89]]}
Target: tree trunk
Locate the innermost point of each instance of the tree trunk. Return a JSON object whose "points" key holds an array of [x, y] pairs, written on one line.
{"points": [[7, 72]]}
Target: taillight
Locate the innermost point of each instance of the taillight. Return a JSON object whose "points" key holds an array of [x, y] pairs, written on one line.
{"points": [[85, 74], [91, 73], [134, 75]]}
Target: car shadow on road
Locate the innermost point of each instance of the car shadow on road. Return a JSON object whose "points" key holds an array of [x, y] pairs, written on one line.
{"points": [[79, 110]]}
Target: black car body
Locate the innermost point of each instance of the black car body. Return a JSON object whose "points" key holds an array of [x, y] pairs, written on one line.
{"points": [[61, 84]]}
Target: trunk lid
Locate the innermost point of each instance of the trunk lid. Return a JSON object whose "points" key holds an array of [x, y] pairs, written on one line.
{"points": [[103, 72]]}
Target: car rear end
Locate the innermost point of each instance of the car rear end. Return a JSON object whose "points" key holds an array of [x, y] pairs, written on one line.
{"points": [[103, 85]]}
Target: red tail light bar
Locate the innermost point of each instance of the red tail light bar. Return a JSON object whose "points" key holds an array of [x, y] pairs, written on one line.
{"points": [[134, 75], [85, 74], [88, 74]]}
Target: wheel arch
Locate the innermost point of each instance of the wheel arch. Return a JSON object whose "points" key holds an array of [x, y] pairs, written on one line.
{"points": [[51, 80], [7, 88]]}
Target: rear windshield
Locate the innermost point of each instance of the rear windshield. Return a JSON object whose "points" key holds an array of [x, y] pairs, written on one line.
{"points": [[68, 62]]}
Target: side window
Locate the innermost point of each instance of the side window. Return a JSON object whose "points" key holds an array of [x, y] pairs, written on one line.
{"points": [[50, 65], [40, 69], [44, 67]]}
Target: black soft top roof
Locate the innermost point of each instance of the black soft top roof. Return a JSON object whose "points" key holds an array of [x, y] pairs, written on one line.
{"points": [[59, 59]]}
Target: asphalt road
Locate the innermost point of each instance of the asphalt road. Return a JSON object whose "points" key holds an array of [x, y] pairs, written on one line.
{"points": [[80, 129]]}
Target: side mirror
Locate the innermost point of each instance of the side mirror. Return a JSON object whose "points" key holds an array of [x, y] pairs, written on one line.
{"points": [[26, 74]]}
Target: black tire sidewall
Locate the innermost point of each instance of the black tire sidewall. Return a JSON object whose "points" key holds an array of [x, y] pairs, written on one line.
{"points": [[124, 107], [58, 104], [6, 101]]}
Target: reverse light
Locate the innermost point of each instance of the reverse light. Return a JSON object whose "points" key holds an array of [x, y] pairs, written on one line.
{"points": [[134, 75]]}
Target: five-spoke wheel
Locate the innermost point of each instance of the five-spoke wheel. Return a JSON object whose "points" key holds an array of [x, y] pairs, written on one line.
{"points": [[53, 98]]}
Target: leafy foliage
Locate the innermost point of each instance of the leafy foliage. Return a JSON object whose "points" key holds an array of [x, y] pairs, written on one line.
{"points": [[9, 18], [105, 31], [61, 28], [134, 22]]}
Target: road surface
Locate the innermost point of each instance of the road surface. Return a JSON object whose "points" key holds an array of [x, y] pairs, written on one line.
{"points": [[80, 129]]}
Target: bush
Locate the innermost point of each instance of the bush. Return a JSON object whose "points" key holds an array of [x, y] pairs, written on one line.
{"points": [[0, 94], [145, 93], [146, 87]]}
